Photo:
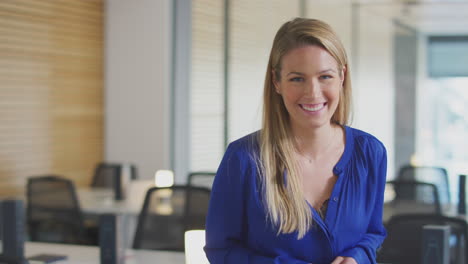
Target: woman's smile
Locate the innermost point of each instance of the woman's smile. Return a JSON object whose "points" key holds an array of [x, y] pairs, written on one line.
{"points": [[313, 108]]}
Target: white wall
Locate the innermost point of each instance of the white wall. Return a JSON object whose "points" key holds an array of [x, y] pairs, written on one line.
{"points": [[374, 95], [137, 78]]}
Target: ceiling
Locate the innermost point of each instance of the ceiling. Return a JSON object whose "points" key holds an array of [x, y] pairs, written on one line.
{"points": [[427, 16]]}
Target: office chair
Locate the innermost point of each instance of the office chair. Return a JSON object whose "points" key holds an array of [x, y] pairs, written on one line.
{"points": [[412, 197], [435, 175], [201, 179], [167, 213], [403, 244], [54, 214]]}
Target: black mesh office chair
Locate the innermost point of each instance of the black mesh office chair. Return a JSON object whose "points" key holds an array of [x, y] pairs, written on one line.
{"points": [[403, 244], [106, 173], [54, 214], [435, 175], [167, 213], [411, 197], [201, 179]]}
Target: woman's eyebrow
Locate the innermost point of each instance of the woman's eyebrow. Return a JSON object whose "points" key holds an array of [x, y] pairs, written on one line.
{"points": [[298, 73], [320, 72], [327, 70]]}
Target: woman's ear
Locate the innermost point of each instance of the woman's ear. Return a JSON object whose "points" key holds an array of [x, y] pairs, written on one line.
{"points": [[343, 75], [275, 82]]}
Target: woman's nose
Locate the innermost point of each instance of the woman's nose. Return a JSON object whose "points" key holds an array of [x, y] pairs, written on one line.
{"points": [[312, 88]]}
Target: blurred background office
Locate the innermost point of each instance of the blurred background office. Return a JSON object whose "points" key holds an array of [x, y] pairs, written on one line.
{"points": [[167, 84]]}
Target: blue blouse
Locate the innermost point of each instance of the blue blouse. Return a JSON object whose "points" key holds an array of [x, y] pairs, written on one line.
{"points": [[238, 231]]}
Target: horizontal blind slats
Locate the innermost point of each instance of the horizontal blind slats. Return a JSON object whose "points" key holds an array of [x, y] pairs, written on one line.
{"points": [[207, 93], [51, 108]]}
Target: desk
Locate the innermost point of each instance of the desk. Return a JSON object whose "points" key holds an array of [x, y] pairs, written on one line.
{"points": [[408, 208], [97, 201], [100, 201], [90, 255]]}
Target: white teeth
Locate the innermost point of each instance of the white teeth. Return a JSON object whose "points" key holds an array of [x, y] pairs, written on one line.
{"points": [[313, 108]]}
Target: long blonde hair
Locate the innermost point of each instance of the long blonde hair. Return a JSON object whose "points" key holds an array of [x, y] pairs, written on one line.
{"points": [[286, 206]]}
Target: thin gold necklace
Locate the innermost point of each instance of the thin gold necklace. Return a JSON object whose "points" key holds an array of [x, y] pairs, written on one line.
{"points": [[329, 144]]}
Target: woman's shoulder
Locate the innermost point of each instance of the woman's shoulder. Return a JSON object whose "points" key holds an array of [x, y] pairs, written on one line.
{"points": [[366, 140], [245, 144], [242, 154]]}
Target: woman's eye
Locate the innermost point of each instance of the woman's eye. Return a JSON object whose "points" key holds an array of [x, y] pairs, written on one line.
{"points": [[326, 77], [296, 79]]}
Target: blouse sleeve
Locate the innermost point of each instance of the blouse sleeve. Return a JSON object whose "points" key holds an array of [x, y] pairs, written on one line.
{"points": [[365, 251], [226, 220]]}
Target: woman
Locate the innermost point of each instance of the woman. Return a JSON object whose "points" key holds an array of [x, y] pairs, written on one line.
{"points": [[306, 188]]}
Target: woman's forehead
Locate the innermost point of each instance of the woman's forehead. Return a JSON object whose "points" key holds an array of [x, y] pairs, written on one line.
{"points": [[310, 58]]}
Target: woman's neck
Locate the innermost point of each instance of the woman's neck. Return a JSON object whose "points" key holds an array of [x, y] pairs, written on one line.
{"points": [[314, 143]]}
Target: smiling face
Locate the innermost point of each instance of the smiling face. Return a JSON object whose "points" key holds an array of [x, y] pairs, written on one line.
{"points": [[310, 83]]}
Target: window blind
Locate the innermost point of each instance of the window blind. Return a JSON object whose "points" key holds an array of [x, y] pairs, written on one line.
{"points": [[207, 95], [51, 90]]}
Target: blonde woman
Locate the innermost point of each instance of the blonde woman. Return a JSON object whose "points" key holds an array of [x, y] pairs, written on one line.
{"points": [[306, 188]]}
